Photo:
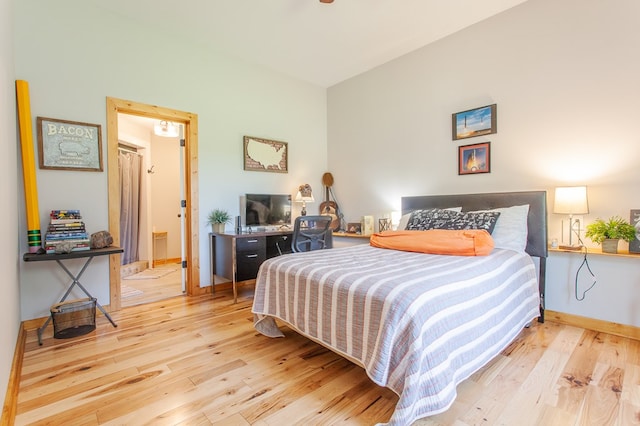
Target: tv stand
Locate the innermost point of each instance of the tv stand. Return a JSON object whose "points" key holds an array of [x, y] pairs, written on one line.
{"points": [[238, 257]]}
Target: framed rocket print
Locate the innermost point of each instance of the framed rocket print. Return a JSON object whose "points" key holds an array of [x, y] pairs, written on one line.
{"points": [[474, 122], [473, 159]]}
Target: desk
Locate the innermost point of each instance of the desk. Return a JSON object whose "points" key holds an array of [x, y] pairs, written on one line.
{"points": [[89, 255], [238, 257]]}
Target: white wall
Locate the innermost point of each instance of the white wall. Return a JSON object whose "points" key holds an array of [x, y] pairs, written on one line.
{"points": [[565, 78], [9, 170], [614, 297], [74, 55]]}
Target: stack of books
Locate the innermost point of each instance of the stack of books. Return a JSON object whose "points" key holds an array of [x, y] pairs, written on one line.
{"points": [[66, 228]]}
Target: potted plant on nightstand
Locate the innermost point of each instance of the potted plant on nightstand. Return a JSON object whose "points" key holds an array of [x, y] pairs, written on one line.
{"points": [[218, 218], [610, 232]]}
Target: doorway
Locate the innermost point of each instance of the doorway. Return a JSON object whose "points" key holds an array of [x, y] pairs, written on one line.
{"points": [[150, 162], [191, 229]]}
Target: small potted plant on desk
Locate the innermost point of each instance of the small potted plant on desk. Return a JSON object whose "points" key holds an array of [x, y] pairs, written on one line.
{"points": [[218, 218], [610, 232]]}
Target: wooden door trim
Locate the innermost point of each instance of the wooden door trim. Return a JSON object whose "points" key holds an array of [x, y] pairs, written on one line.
{"points": [[190, 121]]}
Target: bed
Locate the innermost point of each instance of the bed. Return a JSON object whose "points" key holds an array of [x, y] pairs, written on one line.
{"points": [[418, 323]]}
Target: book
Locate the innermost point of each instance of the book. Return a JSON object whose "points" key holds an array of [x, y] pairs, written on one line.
{"points": [[52, 249], [65, 214], [65, 220], [65, 236], [65, 226], [68, 241], [77, 244]]}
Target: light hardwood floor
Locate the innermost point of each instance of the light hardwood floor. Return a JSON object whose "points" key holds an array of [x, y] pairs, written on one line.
{"points": [[155, 289], [198, 361]]}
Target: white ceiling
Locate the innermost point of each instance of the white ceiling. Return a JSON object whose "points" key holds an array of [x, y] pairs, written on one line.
{"points": [[319, 43]]}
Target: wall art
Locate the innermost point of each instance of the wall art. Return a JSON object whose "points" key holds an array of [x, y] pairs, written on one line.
{"points": [[474, 122], [474, 158], [265, 155], [69, 145]]}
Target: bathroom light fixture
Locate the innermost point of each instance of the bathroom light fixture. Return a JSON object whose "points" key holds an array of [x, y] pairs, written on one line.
{"points": [[166, 129], [571, 200]]}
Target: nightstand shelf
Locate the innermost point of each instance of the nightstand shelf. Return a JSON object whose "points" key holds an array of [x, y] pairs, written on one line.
{"points": [[349, 235], [597, 251]]}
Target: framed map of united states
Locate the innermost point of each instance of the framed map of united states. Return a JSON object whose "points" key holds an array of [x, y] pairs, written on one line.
{"points": [[265, 155]]}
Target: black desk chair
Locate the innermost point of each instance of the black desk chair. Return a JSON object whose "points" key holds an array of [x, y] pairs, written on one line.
{"points": [[311, 233]]}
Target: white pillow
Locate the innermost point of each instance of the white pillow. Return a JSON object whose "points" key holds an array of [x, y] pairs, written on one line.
{"points": [[511, 230], [402, 225]]}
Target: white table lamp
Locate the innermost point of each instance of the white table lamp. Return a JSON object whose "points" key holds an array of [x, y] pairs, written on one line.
{"points": [[571, 200], [304, 196]]}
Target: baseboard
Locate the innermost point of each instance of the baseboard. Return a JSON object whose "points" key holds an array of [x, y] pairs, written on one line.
{"points": [[228, 285], [13, 387], [593, 324], [34, 323], [172, 260]]}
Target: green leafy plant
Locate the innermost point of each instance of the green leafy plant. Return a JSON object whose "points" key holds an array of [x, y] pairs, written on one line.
{"points": [[218, 216], [615, 228]]}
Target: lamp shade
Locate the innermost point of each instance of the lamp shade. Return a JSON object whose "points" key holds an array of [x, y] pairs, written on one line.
{"points": [[571, 200], [300, 198], [304, 194]]}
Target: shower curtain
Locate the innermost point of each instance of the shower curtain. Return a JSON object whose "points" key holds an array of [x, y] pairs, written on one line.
{"points": [[130, 167]]}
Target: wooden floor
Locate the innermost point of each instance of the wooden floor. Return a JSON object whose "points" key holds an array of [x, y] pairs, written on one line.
{"points": [[152, 290], [198, 361]]}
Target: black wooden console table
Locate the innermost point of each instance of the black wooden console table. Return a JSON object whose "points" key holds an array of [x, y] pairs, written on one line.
{"points": [[89, 255]]}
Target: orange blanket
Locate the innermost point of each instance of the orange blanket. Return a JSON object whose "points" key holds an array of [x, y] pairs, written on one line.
{"points": [[470, 242]]}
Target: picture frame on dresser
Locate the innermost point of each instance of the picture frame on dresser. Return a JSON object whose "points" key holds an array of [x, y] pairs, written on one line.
{"points": [[634, 219], [354, 228]]}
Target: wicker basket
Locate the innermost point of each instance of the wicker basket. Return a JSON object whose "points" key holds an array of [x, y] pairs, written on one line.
{"points": [[73, 318]]}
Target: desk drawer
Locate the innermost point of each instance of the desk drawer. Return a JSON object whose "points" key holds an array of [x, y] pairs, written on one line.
{"points": [[250, 244], [248, 264]]}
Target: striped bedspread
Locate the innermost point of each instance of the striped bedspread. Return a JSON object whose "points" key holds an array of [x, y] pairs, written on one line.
{"points": [[418, 323]]}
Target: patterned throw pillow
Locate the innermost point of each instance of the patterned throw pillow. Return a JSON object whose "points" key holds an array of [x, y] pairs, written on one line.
{"points": [[421, 220], [446, 219]]}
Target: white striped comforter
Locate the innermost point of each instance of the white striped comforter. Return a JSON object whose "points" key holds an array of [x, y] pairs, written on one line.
{"points": [[418, 323]]}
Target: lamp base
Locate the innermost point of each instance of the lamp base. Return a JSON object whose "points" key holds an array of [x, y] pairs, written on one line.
{"points": [[571, 248]]}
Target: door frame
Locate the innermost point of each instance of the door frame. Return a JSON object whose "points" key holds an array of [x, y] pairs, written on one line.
{"points": [[190, 121]]}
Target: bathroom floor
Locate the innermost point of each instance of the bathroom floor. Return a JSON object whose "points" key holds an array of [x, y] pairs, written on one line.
{"points": [[141, 291]]}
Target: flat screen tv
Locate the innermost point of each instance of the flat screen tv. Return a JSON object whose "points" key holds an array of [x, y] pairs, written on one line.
{"points": [[267, 209]]}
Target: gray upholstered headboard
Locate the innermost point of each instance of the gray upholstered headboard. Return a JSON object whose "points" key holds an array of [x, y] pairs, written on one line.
{"points": [[536, 221]]}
